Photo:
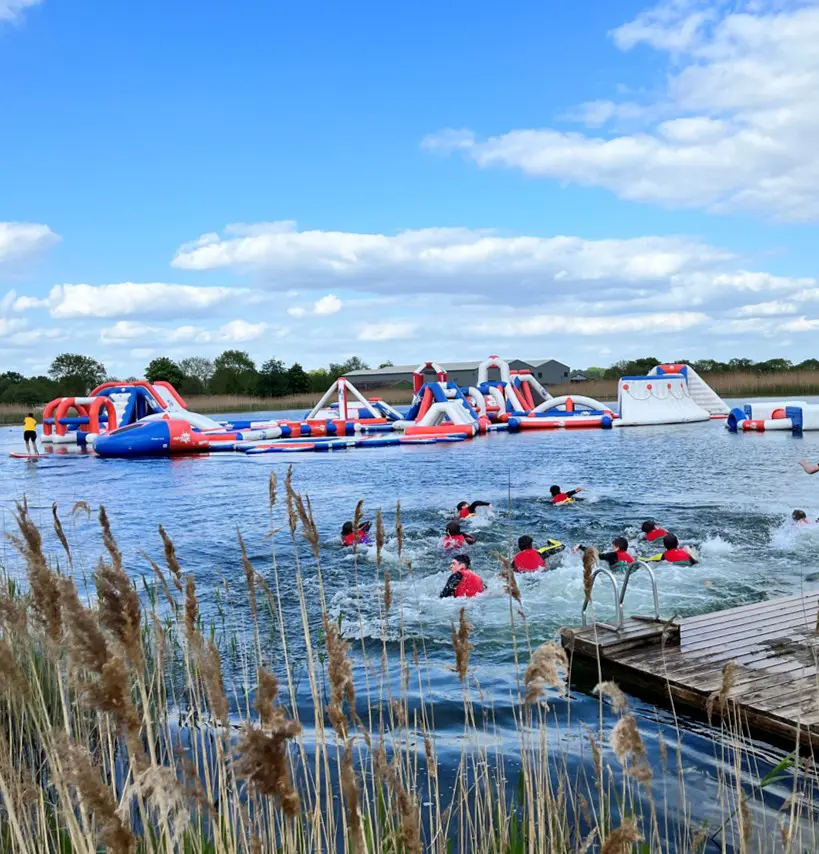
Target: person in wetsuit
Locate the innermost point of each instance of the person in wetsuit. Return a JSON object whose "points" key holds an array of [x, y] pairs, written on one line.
{"points": [[619, 557], [799, 517], [528, 558], [560, 497], [674, 554], [362, 535], [455, 538], [463, 583], [465, 510], [652, 531]]}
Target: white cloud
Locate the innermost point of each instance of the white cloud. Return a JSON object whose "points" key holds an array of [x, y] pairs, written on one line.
{"points": [[8, 326], [772, 308], [735, 129], [542, 324], [154, 299], [387, 331], [22, 241], [129, 332], [443, 259], [11, 10], [329, 304]]}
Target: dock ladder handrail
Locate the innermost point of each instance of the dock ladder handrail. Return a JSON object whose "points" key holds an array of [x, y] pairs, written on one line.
{"points": [[617, 598], [632, 568]]}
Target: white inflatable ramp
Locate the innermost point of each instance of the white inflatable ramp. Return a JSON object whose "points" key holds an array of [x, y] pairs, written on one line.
{"points": [[657, 399], [701, 393]]}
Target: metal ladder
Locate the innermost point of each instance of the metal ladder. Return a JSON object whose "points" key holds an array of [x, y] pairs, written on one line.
{"points": [[620, 593]]}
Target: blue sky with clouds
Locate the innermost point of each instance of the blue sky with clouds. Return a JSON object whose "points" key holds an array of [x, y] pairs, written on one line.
{"points": [[586, 181]]}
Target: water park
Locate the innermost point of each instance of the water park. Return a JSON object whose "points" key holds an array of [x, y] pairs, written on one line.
{"points": [[138, 419]]}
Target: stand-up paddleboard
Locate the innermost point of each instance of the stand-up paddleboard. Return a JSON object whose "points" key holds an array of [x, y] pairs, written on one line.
{"points": [[20, 455]]}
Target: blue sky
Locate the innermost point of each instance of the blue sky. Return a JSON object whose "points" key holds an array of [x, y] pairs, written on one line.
{"points": [[586, 181]]}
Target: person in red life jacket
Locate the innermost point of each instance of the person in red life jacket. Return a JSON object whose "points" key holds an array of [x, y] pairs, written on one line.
{"points": [[466, 510], [800, 517], [618, 558], [455, 538], [652, 532], [674, 554], [560, 497], [362, 535], [528, 558], [463, 582]]}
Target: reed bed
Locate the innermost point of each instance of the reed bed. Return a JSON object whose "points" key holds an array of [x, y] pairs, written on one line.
{"points": [[130, 722]]}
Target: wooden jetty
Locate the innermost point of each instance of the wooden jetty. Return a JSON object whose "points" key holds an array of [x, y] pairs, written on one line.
{"points": [[774, 645]]}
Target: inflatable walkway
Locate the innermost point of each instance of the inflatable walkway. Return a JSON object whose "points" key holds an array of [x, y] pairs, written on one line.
{"points": [[797, 416]]}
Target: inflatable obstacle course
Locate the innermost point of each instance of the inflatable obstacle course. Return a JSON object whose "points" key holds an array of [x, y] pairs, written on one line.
{"points": [[140, 418], [797, 416]]}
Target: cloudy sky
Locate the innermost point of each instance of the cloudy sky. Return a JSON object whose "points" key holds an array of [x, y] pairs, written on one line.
{"points": [[586, 181]]}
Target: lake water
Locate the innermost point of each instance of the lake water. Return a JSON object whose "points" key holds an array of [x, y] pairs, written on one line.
{"points": [[730, 496]]}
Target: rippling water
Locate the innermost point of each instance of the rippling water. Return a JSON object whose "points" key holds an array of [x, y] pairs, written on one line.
{"points": [[729, 496]]}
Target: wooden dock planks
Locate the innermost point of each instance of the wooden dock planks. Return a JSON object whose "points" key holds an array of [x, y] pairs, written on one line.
{"points": [[774, 645]]}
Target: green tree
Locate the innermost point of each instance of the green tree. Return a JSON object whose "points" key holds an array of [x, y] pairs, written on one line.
{"points": [[387, 364], [234, 372], [163, 368], [631, 368], [31, 391], [273, 380], [298, 379], [76, 374], [807, 365], [320, 380], [198, 368], [352, 364], [774, 366]]}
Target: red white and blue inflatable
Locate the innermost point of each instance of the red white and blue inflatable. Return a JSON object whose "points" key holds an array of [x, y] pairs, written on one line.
{"points": [[142, 419]]}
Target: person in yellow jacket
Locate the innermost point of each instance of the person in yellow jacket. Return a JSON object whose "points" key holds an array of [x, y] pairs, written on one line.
{"points": [[30, 433]]}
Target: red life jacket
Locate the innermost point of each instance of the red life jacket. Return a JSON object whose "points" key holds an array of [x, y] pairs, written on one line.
{"points": [[360, 535], [656, 534], [528, 560], [677, 556], [464, 513], [456, 542], [469, 585], [562, 498], [624, 557]]}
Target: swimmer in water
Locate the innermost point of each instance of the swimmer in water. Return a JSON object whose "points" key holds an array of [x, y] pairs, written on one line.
{"points": [[455, 538], [463, 583], [528, 558], [652, 531], [800, 517], [560, 497], [618, 558], [674, 554], [362, 535], [465, 510]]}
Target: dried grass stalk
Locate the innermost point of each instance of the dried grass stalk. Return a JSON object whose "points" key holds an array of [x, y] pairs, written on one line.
{"points": [[171, 558], [460, 643], [81, 507], [119, 609], [58, 530], [380, 536], [590, 558], [628, 745], [262, 752], [340, 673], [399, 528], [250, 577], [387, 591], [622, 838], [410, 827], [720, 697], [547, 663], [507, 573], [350, 791], [43, 583], [115, 834], [215, 683], [271, 491], [612, 691]]}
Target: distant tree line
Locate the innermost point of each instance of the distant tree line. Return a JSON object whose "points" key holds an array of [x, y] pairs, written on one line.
{"points": [[233, 373], [639, 367]]}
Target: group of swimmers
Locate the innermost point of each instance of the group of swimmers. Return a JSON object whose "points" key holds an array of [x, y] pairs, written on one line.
{"points": [[464, 582]]}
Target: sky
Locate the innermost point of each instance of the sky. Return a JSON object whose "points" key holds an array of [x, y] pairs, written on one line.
{"points": [[587, 181]]}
